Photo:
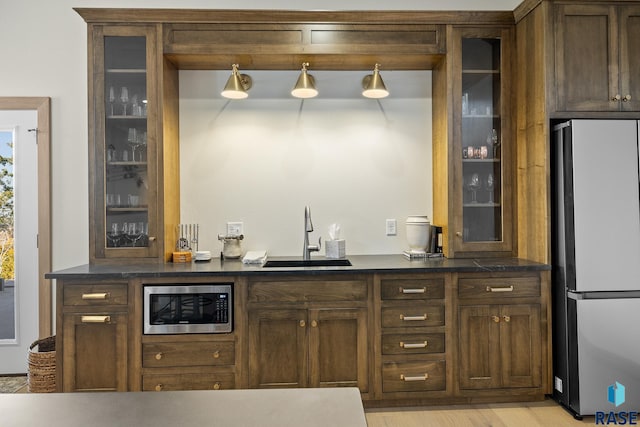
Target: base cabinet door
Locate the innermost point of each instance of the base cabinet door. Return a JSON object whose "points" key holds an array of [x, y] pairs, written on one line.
{"points": [[500, 346], [338, 348], [278, 348], [95, 352], [308, 348]]}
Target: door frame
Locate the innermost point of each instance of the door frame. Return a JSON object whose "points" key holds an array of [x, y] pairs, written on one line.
{"points": [[42, 105]]}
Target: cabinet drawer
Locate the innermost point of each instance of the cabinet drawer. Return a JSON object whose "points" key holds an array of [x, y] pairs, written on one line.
{"points": [[308, 290], [413, 315], [95, 294], [188, 354], [413, 376], [207, 381], [412, 343], [499, 287], [410, 289]]}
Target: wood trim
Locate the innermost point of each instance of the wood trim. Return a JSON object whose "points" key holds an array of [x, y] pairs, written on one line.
{"points": [[42, 105], [135, 15]]}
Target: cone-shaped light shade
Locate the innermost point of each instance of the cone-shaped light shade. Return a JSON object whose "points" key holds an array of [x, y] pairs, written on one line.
{"points": [[306, 85], [237, 85], [374, 86]]}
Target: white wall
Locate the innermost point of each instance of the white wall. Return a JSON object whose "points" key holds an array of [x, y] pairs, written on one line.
{"points": [[43, 53], [355, 161]]}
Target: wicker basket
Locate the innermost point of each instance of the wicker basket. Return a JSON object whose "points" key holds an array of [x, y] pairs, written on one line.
{"points": [[41, 377]]}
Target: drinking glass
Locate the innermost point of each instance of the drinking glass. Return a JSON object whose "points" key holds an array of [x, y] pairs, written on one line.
{"points": [[474, 185], [490, 184], [112, 98], [124, 98], [132, 140]]}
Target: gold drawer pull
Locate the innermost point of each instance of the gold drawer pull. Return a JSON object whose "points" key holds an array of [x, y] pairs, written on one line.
{"points": [[216, 354], [507, 318], [418, 378], [495, 319], [413, 290], [217, 386], [159, 387], [314, 324], [303, 323], [627, 98], [159, 355], [500, 288], [96, 296], [413, 345], [96, 319], [413, 318]]}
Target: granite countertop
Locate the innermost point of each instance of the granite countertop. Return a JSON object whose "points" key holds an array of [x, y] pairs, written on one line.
{"points": [[360, 264]]}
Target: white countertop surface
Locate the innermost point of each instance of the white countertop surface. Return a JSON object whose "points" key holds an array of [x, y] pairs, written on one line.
{"points": [[309, 407]]}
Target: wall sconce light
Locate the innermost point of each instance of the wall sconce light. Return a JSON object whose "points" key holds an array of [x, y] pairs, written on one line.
{"points": [[306, 85], [237, 85], [373, 85]]}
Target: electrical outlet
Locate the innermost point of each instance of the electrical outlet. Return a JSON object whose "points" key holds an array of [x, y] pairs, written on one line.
{"points": [[392, 227], [234, 228]]}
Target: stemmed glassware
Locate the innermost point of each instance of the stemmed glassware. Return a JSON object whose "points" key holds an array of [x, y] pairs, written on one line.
{"points": [[490, 184], [124, 98], [112, 98], [132, 140], [474, 185]]}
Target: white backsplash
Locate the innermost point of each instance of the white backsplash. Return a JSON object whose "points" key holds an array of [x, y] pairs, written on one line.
{"points": [[355, 161]]}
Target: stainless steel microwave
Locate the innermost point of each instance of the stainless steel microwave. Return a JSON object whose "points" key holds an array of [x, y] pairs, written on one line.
{"points": [[188, 309]]}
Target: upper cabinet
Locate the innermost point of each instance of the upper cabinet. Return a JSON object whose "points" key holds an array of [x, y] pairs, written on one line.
{"points": [[125, 143], [473, 188], [597, 54]]}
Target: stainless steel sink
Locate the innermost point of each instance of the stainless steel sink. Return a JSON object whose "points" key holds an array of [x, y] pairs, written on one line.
{"points": [[307, 263]]}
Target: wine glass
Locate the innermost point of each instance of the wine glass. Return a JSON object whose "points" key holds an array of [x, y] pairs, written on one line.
{"points": [[112, 98], [124, 98], [132, 140], [474, 185], [490, 184]]}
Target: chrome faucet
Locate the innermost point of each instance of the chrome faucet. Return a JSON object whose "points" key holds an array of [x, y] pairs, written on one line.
{"points": [[308, 227]]}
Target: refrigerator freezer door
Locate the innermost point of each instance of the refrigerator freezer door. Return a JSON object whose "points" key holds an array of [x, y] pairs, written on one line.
{"points": [[608, 352], [606, 205]]}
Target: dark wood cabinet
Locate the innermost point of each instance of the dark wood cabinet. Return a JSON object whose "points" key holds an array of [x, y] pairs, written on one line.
{"points": [[500, 333], [473, 180], [93, 334], [597, 57], [308, 333]]}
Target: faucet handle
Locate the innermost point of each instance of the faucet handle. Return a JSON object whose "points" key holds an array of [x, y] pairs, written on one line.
{"points": [[316, 248]]}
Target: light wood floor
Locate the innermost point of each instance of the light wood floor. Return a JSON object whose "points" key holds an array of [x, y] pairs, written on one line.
{"points": [[534, 414]]}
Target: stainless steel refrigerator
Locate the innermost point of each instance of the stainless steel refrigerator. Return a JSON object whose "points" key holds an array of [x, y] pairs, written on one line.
{"points": [[595, 208]]}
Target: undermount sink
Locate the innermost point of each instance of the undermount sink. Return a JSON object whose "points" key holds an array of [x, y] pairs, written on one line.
{"points": [[308, 263]]}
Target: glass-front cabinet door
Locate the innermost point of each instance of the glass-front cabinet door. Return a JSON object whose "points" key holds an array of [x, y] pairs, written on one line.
{"points": [[483, 224], [124, 201]]}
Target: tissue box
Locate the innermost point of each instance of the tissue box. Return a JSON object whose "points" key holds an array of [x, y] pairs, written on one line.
{"points": [[335, 248]]}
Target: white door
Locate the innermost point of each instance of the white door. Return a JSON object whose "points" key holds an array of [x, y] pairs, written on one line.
{"points": [[13, 350]]}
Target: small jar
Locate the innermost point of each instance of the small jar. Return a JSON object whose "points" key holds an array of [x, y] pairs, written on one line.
{"points": [[418, 233]]}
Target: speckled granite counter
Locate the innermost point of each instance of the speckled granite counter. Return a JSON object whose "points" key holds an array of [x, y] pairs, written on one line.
{"points": [[360, 264]]}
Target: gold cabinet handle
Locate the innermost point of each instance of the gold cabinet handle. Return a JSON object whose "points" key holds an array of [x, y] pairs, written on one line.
{"points": [[96, 319], [459, 234], [217, 386], [159, 387], [314, 324], [413, 345], [495, 319], [413, 318], [499, 288], [303, 323], [413, 291], [627, 98], [152, 238], [216, 354], [159, 355], [617, 97], [507, 318], [416, 378], [96, 296]]}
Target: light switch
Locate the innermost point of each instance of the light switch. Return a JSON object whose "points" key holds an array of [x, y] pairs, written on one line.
{"points": [[392, 227]]}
